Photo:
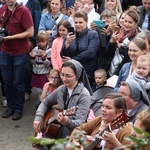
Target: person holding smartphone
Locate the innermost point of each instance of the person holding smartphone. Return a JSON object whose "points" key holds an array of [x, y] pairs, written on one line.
{"points": [[83, 45]]}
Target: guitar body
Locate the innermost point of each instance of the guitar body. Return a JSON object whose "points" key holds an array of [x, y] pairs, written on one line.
{"points": [[50, 126]]}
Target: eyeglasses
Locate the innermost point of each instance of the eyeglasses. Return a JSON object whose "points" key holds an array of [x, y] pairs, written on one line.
{"points": [[68, 76]]}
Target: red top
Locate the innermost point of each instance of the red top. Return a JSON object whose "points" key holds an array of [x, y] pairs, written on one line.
{"points": [[21, 20]]}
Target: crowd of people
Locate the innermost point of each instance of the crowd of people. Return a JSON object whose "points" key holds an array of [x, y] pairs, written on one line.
{"points": [[68, 50]]}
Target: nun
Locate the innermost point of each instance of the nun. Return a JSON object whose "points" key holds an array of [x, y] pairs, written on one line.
{"points": [[75, 91], [135, 96]]}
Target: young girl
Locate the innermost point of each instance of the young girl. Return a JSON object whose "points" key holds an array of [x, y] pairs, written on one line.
{"points": [[57, 44], [41, 61], [54, 81]]}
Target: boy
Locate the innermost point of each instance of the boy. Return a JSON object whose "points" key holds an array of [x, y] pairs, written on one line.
{"points": [[100, 78]]}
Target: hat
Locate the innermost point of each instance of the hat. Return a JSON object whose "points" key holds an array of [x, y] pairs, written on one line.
{"points": [[138, 91], [81, 75]]}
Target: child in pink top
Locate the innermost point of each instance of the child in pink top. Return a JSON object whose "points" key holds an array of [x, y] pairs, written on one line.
{"points": [[57, 44], [54, 82]]}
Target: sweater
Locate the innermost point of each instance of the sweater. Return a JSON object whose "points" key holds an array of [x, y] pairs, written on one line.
{"points": [[92, 128]]}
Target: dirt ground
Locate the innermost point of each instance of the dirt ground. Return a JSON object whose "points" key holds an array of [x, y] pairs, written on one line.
{"points": [[14, 134]]}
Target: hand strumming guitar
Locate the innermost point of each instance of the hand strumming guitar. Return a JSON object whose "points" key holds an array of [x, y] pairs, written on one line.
{"points": [[111, 138], [62, 119], [37, 126]]}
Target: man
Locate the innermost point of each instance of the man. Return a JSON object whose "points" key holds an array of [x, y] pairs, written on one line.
{"points": [[135, 96], [17, 21], [144, 15]]}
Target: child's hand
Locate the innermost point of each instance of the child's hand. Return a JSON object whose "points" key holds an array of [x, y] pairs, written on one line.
{"points": [[43, 55], [32, 54]]}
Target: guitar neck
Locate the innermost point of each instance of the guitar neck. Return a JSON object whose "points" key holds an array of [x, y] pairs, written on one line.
{"points": [[97, 140]]}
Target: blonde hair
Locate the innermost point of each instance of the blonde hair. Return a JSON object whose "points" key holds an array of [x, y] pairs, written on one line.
{"points": [[118, 8], [101, 71], [144, 58], [42, 36]]}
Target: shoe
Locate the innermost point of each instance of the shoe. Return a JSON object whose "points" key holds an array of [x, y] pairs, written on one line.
{"points": [[5, 103], [8, 113], [17, 115], [27, 96]]}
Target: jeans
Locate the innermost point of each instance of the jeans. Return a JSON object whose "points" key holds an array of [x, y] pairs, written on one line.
{"points": [[13, 67], [28, 75]]}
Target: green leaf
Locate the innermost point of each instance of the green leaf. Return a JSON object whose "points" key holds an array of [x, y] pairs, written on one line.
{"points": [[137, 130], [47, 141], [146, 135], [131, 138]]}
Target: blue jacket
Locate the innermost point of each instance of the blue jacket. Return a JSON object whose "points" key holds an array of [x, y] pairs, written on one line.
{"points": [[84, 49], [47, 22], [123, 74]]}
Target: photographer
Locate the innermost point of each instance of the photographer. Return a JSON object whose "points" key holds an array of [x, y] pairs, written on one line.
{"points": [[16, 27]]}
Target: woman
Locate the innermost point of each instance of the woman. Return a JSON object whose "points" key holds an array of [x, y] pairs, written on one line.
{"points": [[117, 47], [72, 93], [83, 46], [52, 17], [104, 37], [113, 106], [114, 5], [137, 47]]}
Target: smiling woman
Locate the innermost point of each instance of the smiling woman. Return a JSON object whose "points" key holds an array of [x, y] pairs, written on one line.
{"points": [[49, 19], [83, 45], [113, 106], [73, 92]]}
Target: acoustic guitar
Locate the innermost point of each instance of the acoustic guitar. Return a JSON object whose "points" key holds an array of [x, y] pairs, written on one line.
{"points": [[115, 124], [50, 126]]}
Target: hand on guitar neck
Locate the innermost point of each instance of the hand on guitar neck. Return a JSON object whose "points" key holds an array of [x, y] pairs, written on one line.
{"points": [[106, 134]]}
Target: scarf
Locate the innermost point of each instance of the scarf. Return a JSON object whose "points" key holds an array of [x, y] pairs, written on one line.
{"points": [[123, 35]]}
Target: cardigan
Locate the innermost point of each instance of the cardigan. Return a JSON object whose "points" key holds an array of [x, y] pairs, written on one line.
{"points": [[55, 53], [92, 128]]}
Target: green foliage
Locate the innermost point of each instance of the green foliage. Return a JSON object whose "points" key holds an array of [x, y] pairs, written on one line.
{"points": [[46, 141]]}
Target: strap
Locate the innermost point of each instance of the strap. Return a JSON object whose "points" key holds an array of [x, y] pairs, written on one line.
{"points": [[65, 99], [10, 16], [57, 21]]}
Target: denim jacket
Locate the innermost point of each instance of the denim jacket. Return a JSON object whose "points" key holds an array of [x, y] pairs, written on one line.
{"points": [[123, 74]]}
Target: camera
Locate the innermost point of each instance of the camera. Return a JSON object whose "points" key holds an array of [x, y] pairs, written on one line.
{"points": [[3, 33]]}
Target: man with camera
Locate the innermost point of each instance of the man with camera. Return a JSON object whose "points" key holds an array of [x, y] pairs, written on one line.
{"points": [[16, 27]]}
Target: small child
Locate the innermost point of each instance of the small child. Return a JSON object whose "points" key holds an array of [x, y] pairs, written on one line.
{"points": [[54, 82], [142, 72], [100, 78], [40, 59]]}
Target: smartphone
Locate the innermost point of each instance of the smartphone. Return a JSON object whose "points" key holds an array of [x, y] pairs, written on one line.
{"points": [[100, 23], [71, 29]]}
